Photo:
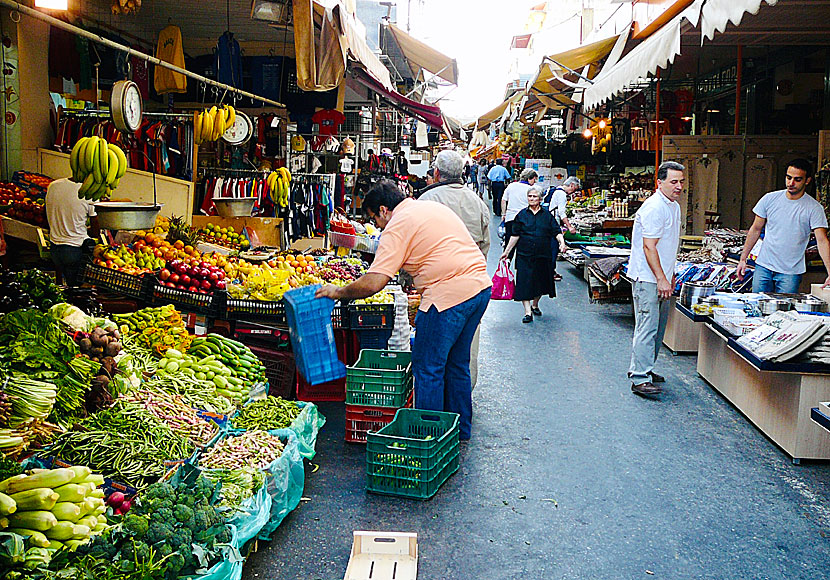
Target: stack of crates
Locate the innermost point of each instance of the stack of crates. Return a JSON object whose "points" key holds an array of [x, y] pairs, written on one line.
{"points": [[377, 385], [414, 455]]}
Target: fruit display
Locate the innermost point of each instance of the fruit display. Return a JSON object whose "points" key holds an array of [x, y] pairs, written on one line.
{"points": [[26, 206], [54, 508], [212, 123], [193, 275], [130, 260], [97, 166], [279, 183], [226, 237], [382, 297], [37, 180]]}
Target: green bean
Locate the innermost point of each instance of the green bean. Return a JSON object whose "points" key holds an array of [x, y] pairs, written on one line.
{"points": [[270, 413]]}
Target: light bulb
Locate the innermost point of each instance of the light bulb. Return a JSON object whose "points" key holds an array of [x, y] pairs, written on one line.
{"points": [[602, 124], [587, 133]]}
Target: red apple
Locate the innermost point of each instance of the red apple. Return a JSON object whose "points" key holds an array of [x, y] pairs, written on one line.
{"points": [[164, 274], [185, 279], [220, 285], [170, 284], [213, 277], [193, 289], [221, 274], [206, 285], [175, 278]]}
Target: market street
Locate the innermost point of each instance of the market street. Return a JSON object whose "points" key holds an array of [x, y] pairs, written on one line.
{"points": [[569, 475]]}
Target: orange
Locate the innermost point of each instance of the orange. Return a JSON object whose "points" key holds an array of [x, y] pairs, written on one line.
{"points": [[280, 258], [178, 244], [188, 249]]}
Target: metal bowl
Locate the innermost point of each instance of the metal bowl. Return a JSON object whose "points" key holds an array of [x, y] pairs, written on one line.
{"points": [[126, 215], [810, 304], [231, 207], [692, 292], [770, 305]]}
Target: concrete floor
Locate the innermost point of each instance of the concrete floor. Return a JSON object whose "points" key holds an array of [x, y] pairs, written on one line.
{"points": [[571, 476]]}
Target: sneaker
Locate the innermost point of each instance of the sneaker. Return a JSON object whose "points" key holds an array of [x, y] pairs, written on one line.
{"points": [[646, 389]]}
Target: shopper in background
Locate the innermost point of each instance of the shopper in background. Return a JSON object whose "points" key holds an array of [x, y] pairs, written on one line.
{"points": [[427, 240], [788, 217], [557, 200], [514, 199], [651, 267], [532, 233], [450, 191], [67, 216], [482, 178], [473, 179], [497, 177]]}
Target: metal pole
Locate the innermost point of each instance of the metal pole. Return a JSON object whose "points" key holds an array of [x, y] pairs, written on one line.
{"points": [[738, 89], [23, 9], [657, 128]]}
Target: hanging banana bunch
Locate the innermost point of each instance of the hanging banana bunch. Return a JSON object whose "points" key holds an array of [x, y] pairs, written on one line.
{"points": [[211, 124], [98, 166], [279, 183]]}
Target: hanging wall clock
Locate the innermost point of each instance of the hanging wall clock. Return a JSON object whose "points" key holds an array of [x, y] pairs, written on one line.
{"points": [[126, 106], [240, 132]]}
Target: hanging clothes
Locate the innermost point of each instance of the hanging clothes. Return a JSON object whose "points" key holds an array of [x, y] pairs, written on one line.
{"points": [[228, 63], [170, 49]]}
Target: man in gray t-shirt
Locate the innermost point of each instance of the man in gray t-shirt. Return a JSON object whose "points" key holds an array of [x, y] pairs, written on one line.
{"points": [[787, 217]]}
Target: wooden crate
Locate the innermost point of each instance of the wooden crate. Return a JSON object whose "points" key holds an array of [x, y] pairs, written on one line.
{"points": [[383, 556]]}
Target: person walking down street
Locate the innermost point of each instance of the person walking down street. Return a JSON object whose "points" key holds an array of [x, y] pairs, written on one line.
{"points": [[654, 243], [514, 200], [473, 179], [482, 178], [450, 191], [67, 215], [430, 242], [557, 200], [787, 217], [533, 229], [497, 177]]}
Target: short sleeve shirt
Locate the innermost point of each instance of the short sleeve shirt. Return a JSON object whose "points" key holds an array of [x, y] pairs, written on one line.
{"points": [[67, 214], [658, 218], [431, 243], [516, 195], [787, 232]]}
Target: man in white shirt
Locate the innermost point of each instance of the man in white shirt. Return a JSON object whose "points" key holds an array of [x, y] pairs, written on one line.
{"points": [[514, 199], [67, 216], [651, 268], [788, 217], [558, 204]]}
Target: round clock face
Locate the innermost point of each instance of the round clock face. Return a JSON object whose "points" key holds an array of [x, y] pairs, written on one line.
{"points": [[132, 107], [240, 131]]}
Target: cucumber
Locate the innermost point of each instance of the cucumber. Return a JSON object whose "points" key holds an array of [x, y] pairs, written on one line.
{"points": [[173, 353], [220, 382], [172, 366], [201, 376], [209, 375]]}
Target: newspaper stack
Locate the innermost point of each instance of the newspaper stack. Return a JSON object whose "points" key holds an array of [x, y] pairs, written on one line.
{"points": [[784, 336]]}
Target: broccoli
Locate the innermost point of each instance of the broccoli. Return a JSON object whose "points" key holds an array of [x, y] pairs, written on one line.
{"points": [[153, 505], [174, 565], [183, 513], [135, 551], [224, 536], [163, 550], [136, 525], [159, 532], [182, 538], [187, 499], [161, 490], [203, 488], [164, 515]]}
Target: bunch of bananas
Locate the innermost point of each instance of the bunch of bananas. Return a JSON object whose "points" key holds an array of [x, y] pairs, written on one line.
{"points": [[212, 124], [279, 183], [97, 166]]}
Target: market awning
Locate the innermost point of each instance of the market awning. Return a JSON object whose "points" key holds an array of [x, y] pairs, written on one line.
{"points": [[656, 52], [321, 62], [429, 114], [717, 14], [424, 56], [497, 112]]}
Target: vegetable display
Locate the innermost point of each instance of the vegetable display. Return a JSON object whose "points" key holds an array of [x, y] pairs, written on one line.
{"points": [[156, 328], [237, 485], [176, 414], [256, 448], [40, 287], [267, 414], [242, 363], [194, 392]]}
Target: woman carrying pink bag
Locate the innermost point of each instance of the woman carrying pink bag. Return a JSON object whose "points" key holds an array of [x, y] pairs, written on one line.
{"points": [[504, 282]]}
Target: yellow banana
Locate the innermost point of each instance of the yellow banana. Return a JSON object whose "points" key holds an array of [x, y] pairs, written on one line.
{"points": [[231, 117], [112, 167], [85, 186], [219, 124], [73, 157], [103, 158], [90, 149], [207, 126], [122, 160], [285, 174]]}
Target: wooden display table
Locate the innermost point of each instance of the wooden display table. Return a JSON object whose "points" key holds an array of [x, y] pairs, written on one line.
{"points": [[776, 398], [682, 329]]}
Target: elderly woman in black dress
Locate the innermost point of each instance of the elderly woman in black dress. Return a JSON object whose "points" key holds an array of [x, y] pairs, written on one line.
{"points": [[533, 230]]}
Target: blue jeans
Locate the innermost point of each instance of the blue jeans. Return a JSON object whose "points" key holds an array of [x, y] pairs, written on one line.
{"points": [[765, 280], [441, 358], [68, 260]]}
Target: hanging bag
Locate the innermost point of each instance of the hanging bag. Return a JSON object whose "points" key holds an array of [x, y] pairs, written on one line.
{"points": [[504, 282]]}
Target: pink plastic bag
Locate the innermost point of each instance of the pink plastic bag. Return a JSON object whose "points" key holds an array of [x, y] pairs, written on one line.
{"points": [[504, 282]]}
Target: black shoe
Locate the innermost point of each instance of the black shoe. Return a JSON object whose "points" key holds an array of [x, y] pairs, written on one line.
{"points": [[557, 277], [536, 312], [527, 318], [647, 389], [655, 378]]}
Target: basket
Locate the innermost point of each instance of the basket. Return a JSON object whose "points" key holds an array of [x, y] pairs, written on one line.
{"points": [[263, 311], [279, 370], [116, 281], [362, 419], [373, 339], [379, 378], [187, 301], [342, 240], [312, 335], [401, 461], [371, 316]]}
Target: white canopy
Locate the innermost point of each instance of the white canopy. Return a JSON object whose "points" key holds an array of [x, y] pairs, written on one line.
{"points": [[716, 14]]}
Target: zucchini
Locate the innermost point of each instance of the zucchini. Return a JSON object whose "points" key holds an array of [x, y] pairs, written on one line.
{"points": [[173, 353], [41, 498], [40, 520], [8, 505], [7, 482]]}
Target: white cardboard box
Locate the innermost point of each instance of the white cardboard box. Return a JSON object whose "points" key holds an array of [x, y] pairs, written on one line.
{"points": [[383, 556]]}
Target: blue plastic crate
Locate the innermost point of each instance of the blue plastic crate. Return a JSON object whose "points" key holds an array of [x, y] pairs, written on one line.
{"points": [[312, 335]]}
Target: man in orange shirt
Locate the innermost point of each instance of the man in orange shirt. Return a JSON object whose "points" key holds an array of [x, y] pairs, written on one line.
{"points": [[430, 242]]}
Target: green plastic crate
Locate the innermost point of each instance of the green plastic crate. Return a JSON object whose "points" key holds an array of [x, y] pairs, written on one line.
{"points": [[413, 455], [380, 378]]}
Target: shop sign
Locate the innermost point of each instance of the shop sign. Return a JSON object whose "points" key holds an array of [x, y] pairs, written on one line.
{"points": [[621, 133], [718, 82]]}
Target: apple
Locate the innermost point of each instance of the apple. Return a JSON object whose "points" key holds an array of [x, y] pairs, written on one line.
{"points": [[170, 284], [193, 289], [213, 277], [221, 274], [175, 278], [206, 285], [202, 291], [164, 274], [181, 269], [220, 285], [185, 279]]}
